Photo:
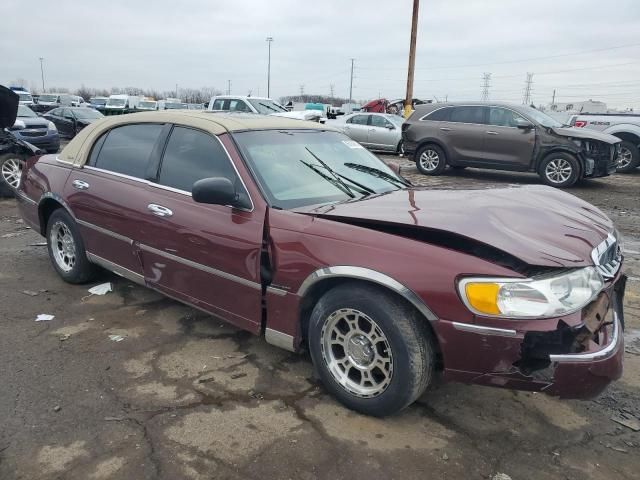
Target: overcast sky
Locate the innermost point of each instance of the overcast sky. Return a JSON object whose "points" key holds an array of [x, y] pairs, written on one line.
{"points": [[566, 44]]}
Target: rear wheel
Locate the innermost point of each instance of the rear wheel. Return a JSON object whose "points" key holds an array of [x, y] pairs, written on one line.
{"points": [[400, 149], [559, 169], [10, 173], [431, 160], [629, 158], [373, 352], [66, 249]]}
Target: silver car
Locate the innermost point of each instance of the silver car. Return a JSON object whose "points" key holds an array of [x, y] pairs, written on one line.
{"points": [[376, 131]]}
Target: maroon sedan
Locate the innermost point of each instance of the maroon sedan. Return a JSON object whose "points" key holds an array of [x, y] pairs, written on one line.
{"points": [[293, 231]]}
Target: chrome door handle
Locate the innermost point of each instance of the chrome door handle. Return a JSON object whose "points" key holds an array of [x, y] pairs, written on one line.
{"points": [[159, 210], [80, 185], [490, 132], [445, 129]]}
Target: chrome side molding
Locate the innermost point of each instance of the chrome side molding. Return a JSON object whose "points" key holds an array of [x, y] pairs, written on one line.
{"points": [[482, 330], [362, 273]]}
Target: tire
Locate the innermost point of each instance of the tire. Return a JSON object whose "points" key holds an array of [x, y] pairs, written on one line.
{"points": [[629, 157], [400, 149], [399, 364], [10, 172], [431, 160], [559, 169], [66, 249]]}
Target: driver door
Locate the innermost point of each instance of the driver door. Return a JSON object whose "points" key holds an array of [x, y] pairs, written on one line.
{"points": [[382, 133]]}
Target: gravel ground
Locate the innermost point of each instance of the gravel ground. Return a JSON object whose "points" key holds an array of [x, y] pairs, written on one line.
{"points": [[184, 395]]}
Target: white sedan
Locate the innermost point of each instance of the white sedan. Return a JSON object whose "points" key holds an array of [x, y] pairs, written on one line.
{"points": [[376, 131]]}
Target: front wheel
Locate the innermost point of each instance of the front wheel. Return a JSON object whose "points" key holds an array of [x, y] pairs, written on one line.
{"points": [[400, 149], [431, 160], [629, 157], [66, 249], [373, 352], [10, 174], [559, 169]]}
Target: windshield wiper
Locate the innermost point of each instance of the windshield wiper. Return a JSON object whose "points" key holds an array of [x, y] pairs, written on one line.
{"points": [[377, 173], [338, 176], [270, 107], [333, 180]]}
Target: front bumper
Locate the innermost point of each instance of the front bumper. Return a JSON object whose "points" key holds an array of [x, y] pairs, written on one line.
{"points": [[575, 356], [49, 142]]}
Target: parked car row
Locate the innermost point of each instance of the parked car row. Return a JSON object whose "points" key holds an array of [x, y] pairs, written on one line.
{"points": [[307, 238]]}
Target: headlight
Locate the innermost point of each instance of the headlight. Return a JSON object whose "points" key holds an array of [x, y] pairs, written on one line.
{"points": [[541, 297], [52, 127]]}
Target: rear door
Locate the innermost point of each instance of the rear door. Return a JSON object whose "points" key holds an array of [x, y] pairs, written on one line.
{"points": [[204, 255], [505, 143], [465, 133], [109, 197], [382, 133], [357, 128]]}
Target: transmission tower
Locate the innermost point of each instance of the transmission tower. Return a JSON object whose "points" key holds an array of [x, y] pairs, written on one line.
{"points": [[331, 89], [527, 89], [486, 77], [301, 92]]}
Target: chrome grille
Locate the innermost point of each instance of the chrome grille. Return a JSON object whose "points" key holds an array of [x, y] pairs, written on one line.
{"points": [[607, 257]]}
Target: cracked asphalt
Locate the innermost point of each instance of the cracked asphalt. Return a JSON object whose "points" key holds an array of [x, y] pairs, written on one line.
{"points": [[185, 396]]}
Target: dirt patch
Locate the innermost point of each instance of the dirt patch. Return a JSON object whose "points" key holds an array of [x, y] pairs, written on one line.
{"points": [[58, 458]]}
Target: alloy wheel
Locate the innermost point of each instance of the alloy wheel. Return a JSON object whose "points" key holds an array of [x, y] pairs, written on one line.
{"points": [[357, 352], [558, 170], [11, 172], [624, 158], [429, 160], [63, 246]]}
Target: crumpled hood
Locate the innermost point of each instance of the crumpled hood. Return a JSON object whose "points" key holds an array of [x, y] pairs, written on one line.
{"points": [[586, 133], [33, 122], [539, 225]]}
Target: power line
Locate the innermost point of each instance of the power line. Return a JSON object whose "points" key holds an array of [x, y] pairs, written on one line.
{"points": [[521, 60], [486, 77], [351, 86]]}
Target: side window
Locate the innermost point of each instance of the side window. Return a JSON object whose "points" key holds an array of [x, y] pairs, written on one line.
{"points": [[192, 155], [55, 112], [378, 121], [238, 106], [219, 104], [440, 115], [469, 114], [95, 150], [127, 149], [501, 117], [359, 119]]}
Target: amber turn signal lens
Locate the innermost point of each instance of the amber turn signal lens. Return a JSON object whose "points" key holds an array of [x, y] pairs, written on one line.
{"points": [[483, 297]]}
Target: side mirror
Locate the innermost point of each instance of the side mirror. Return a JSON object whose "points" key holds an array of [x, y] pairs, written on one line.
{"points": [[391, 127], [215, 191], [523, 124]]}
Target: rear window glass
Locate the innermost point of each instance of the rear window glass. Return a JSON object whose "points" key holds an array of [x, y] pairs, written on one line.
{"points": [[440, 115], [127, 149]]}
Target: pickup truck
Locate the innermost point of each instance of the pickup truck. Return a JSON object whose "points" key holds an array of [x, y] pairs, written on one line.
{"points": [[625, 126]]}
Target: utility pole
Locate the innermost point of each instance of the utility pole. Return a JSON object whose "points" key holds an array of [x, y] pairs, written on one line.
{"points": [[553, 99], [228, 87], [269, 40], [412, 59], [527, 90], [351, 87], [486, 77], [42, 72]]}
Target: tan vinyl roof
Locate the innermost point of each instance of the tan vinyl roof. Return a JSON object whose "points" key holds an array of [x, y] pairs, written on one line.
{"points": [[77, 150]]}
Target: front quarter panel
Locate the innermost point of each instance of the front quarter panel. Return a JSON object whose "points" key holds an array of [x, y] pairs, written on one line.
{"points": [[302, 244]]}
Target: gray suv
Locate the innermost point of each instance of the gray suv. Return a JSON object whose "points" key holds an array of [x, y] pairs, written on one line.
{"points": [[506, 137]]}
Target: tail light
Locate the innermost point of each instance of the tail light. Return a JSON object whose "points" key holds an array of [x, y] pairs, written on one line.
{"points": [[580, 123]]}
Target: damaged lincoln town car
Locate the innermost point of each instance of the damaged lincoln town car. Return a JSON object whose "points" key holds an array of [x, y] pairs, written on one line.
{"points": [[293, 231]]}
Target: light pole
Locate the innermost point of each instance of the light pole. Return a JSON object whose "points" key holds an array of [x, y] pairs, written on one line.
{"points": [[269, 40], [42, 72]]}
